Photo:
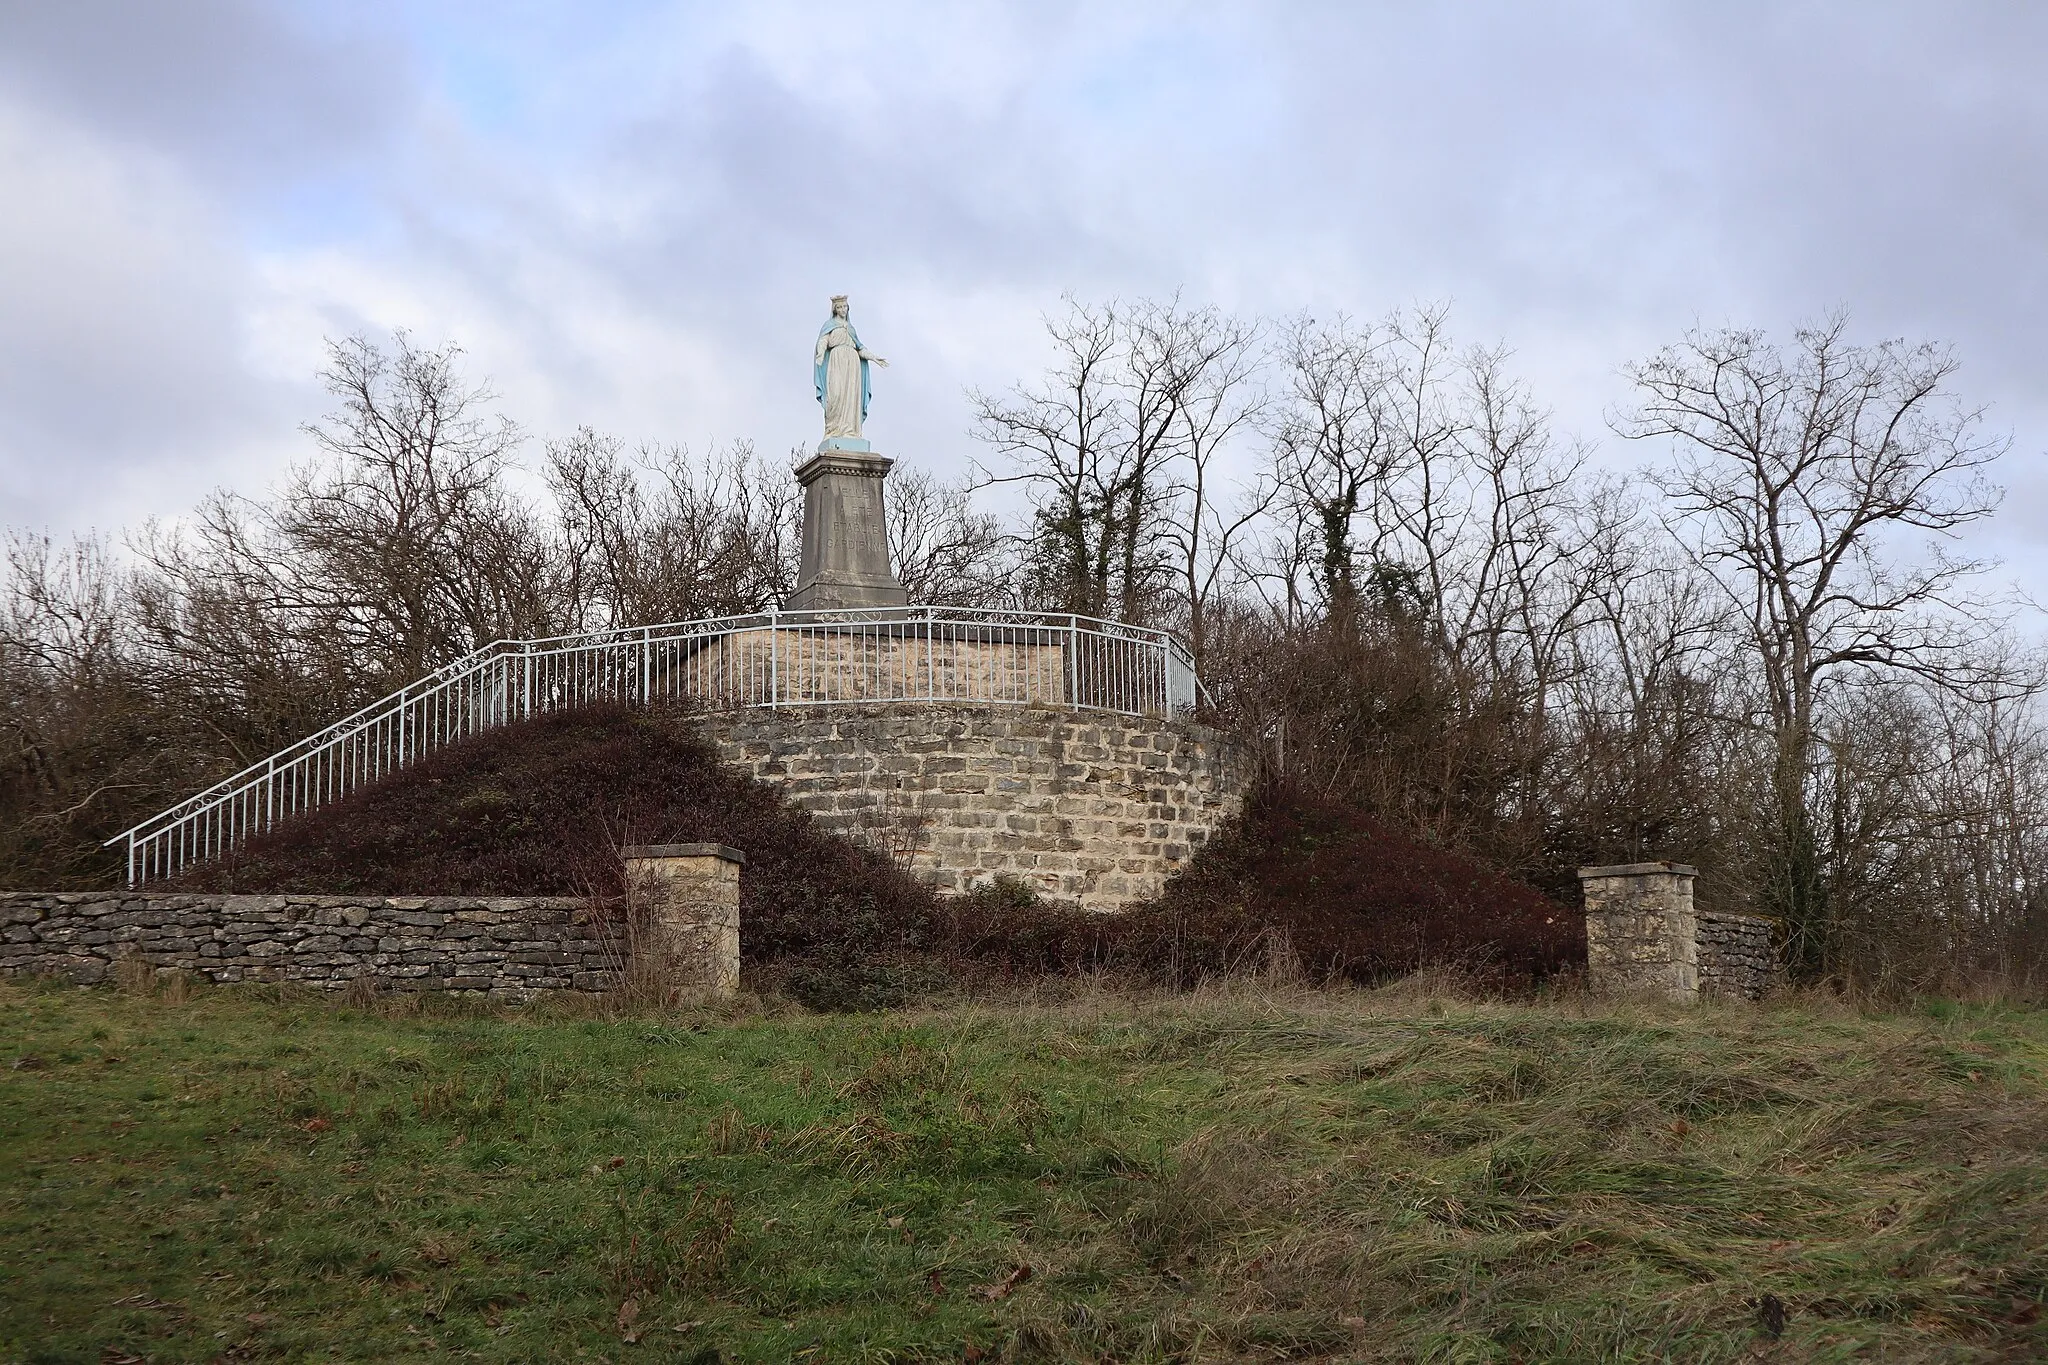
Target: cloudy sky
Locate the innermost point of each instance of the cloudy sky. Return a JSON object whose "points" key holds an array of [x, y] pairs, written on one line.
{"points": [[631, 214]]}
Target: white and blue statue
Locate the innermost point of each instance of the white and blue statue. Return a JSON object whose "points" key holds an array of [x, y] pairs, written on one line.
{"points": [[839, 368]]}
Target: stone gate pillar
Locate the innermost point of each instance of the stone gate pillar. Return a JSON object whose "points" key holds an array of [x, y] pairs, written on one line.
{"points": [[693, 891], [1642, 935]]}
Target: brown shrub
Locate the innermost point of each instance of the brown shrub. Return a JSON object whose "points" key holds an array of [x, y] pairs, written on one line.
{"points": [[540, 808], [1298, 886]]}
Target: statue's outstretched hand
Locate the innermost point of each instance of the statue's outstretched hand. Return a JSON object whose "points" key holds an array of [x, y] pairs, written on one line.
{"points": [[875, 360]]}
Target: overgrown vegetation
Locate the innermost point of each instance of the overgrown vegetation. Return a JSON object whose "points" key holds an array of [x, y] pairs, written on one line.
{"points": [[542, 807], [1396, 1175], [1303, 886], [1765, 656]]}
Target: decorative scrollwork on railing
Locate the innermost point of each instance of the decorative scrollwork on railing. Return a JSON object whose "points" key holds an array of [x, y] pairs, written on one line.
{"points": [[772, 659]]}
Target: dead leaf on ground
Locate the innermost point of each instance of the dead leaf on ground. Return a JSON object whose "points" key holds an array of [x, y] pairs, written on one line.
{"points": [[317, 1125], [1006, 1286], [629, 1312]]}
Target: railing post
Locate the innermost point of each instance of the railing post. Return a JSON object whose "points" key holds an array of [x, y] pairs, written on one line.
{"points": [[1073, 668], [774, 659], [270, 792]]}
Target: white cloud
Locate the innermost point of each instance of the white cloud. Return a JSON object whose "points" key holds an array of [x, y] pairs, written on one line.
{"points": [[632, 215]]}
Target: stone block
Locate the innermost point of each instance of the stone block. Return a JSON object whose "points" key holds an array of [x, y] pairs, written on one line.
{"points": [[692, 892]]}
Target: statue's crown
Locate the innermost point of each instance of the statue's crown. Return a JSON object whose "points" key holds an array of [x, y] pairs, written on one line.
{"points": [[839, 298]]}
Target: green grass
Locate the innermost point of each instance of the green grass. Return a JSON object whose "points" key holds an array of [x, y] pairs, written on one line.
{"points": [[249, 1175]]}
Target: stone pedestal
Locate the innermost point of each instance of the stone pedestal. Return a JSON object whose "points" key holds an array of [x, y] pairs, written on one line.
{"points": [[1642, 936], [844, 561], [693, 896]]}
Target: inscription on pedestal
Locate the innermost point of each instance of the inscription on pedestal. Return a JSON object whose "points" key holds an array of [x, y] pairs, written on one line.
{"points": [[845, 555]]}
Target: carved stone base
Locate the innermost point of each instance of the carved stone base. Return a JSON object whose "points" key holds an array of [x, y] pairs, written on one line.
{"points": [[844, 561]]}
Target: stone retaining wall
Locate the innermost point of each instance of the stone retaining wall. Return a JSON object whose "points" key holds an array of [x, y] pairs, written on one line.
{"points": [[507, 947], [1093, 808]]}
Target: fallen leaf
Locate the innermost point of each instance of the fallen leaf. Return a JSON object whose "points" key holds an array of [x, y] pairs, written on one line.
{"points": [[616, 1162], [1680, 1127], [934, 1284], [28, 1061], [897, 1221], [973, 1353], [1006, 1286], [317, 1125], [257, 1319], [628, 1312]]}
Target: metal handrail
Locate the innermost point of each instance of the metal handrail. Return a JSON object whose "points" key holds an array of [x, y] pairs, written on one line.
{"points": [[771, 658]]}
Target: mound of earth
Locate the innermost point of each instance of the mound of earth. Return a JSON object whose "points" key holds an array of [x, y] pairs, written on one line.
{"points": [[540, 808], [1344, 895]]}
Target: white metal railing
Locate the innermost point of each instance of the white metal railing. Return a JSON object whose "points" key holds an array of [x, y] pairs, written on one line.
{"points": [[889, 654]]}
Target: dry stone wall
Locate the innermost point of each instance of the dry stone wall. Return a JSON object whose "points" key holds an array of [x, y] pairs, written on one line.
{"points": [[1088, 807], [1644, 935], [507, 947], [1738, 955]]}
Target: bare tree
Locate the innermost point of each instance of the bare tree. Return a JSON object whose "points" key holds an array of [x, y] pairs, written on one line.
{"points": [[1064, 440], [1333, 446], [1794, 473], [84, 742], [1210, 363], [660, 536], [947, 553], [1105, 445]]}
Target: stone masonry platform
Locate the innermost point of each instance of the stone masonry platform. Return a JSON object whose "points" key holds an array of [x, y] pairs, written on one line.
{"points": [[1089, 807]]}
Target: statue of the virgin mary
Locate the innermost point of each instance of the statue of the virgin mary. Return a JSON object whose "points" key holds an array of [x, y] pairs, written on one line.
{"points": [[839, 368]]}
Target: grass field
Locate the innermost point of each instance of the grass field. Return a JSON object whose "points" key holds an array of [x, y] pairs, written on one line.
{"points": [[1240, 1175]]}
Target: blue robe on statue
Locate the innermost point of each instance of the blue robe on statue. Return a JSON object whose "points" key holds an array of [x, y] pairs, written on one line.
{"points": [[818, 370]]}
